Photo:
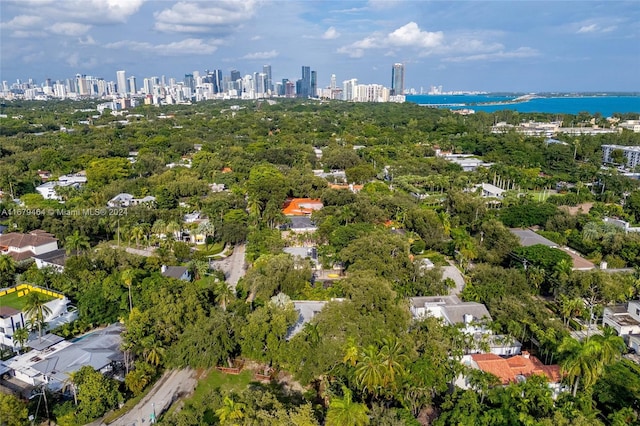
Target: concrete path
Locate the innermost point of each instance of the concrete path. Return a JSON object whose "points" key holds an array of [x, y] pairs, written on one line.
{"points": [[172, 385], [233, 266], [454, 273]]}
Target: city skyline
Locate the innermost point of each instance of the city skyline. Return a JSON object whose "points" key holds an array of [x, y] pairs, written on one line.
{"points": [[487, 46]]}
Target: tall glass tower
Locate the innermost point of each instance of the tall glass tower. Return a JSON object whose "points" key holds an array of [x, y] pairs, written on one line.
{"points": [[397, 79]]}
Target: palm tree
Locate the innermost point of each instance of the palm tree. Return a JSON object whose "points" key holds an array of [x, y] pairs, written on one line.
{"points": [[159, 227], [174, 228], [570, 307], [351, 352], [224, 294], [370, 370], [137, 233], [7, 270], [35, 307], [591, 231], [344, 412], [230, 411], [199, 268], [393, 359], [208, 229], [77, 242], [585, 360], [20, 337], [127, 277], [153, 350]]}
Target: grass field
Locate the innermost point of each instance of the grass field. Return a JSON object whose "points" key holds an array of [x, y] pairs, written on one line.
{"points": [[12, 300], [217, 379]]}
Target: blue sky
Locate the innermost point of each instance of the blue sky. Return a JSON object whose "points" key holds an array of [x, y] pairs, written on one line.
{"points": [[529, 46]]}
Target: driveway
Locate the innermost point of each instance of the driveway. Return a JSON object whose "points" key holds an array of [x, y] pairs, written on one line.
{"points": [[172, 385], [454, 273], [233, 266]]}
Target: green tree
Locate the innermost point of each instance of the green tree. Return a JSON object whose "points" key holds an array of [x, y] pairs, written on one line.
{"points": [[231, 411], [585, 360], [35, 308], [13, 412], [224, 294], [20, 336], [77, 242], [7, 270], [96, 394], [345, 412]]}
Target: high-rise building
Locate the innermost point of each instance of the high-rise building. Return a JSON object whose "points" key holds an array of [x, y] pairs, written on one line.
{"points": [[314, 84], [333, 86], [121, 80], [397, 79], [266, 69], [304, 83], [189, 81], [235, 75], [133, 89], [215, 77]]}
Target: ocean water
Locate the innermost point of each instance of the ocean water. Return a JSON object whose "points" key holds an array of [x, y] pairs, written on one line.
{"points": [[605, 105]]}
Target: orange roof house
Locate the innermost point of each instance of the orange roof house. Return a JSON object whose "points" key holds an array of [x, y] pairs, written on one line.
{"points": [[301, 206], [508, 369]]}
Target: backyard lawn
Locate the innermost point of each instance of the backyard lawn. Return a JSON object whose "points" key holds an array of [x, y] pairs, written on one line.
{"points": [[12, 300]]}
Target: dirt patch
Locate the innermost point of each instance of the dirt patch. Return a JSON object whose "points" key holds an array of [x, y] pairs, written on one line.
{"points": [[583, 208]]}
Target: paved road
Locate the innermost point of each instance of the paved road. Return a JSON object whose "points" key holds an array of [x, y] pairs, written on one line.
{"points": [[233, 266], [171, 386], [453, 272]]}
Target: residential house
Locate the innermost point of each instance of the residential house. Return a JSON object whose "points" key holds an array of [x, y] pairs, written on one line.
{"points": [[626, 226], [307, 310], [472, 317], [48, 189], [11, 319], [127, 200], [624, 318], [24, 246], [53, 360], [177, 272], [488, 190], [513, 369], [301, 253], [55, 259], [298, 213], [530, 238]]}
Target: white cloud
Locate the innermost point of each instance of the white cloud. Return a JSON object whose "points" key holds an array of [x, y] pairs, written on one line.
{"points": [[595, 28], [256, 38], [521, 52], [262, 55], [330, 34], [189, 46], [203, 17], [83, 11], [22, 21], [407, 36], [69, 28], [412, 35]]}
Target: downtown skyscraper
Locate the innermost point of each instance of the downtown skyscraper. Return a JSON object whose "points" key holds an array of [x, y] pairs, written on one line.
{"points": [[397, 79]]}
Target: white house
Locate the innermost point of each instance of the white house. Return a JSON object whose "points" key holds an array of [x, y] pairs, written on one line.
{"points": [[12, 319], [23, 246], [48, 189], [472, 317], [53, 359], [488, 190], [625, 319], [127, 200]]}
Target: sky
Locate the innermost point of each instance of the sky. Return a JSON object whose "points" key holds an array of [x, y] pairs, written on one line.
{"points": [[517, 46]]}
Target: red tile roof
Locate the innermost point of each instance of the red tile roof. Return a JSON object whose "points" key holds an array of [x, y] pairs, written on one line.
{"points": [[507, 369], [18, 240], [301, 206]]}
